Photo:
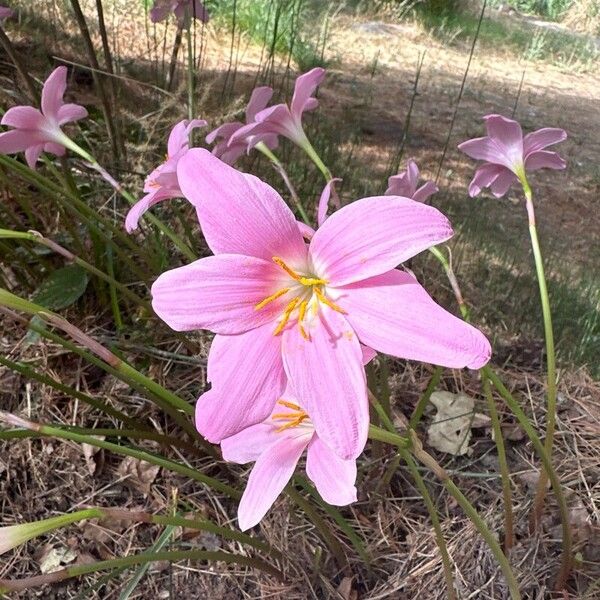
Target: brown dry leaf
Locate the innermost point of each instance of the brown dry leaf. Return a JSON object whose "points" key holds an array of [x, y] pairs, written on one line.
{"points": [[450, 430], [345, 589], [89, 452], [53, 559], [139, 473]]}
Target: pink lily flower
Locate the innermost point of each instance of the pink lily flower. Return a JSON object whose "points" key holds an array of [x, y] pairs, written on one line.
{"points": [[229, 151], [405, 184], [162, 183], [508, 155], [38, 131], [275, 446], [282, 119], [6, 12], [183, 10], [284, 310]]}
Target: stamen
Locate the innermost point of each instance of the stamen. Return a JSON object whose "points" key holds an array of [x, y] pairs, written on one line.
{"points": [[321, 296], [272, 297], [289, 309], [312, 281], [297, 421], [301, 314], [287, 269], [288, 404]]}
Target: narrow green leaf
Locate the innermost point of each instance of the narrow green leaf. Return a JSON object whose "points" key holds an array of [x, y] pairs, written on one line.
{"points": [[62, 288]]}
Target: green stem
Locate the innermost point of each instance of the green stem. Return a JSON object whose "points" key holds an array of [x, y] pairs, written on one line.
{"points": [[312, 154], [540, 494], [415, 418], [190, 73], [567, 541], [262, 147], [509, 536]]}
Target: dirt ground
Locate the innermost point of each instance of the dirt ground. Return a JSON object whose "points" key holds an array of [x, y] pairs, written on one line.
{"points": [[368, 89]]}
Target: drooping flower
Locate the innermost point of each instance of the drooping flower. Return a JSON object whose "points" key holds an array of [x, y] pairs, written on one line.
{"points": [[284, 310], [405, 184], [162, 183], [275, 446], [183, 10], [38, 131], [6, 12], [230, 152], [282, 119], [508, 155]]}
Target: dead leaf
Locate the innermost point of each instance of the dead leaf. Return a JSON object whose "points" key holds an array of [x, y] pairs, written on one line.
{"points": [[52, 559], [89, 452], [140, 474], [450, 430], [345, 589]]}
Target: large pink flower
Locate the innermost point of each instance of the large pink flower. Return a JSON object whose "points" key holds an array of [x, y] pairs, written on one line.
{"points": [[284, 309], [183, 10], [162, 183], [275, 446], [38, 131], [508, 155], [405, 184], [282, 119], [229, 151]]}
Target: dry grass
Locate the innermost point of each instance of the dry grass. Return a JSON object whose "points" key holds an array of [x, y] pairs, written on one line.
{"points": [[40, 478]]}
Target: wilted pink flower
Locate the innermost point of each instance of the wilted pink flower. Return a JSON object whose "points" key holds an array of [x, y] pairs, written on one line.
{"points": [[183, 10], [284, 310], [5, 13], [229, 151], [162, 183], [275, 446], [38, 131], [282, 119], [508, 155], [405, 184]]}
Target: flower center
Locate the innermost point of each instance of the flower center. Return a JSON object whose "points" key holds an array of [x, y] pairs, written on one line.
{"points": [[292, 419], [309, 293]]}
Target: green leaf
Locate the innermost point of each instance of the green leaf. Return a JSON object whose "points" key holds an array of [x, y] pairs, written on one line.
{"points": [[62, 288]]}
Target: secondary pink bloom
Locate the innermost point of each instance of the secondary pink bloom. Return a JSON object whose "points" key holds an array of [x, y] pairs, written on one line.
{"points": [[5, 12], [183, 10], [38, 131], [162, 183], [284, 310], [508, 155], [405, 184], [275, 446], [282, 119], [229, 151]]}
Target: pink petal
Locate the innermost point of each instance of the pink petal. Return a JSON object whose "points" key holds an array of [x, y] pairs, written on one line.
{"points": [[71, 112], [229, 154], [334, 477], [247, 445], [224, 131], [542, 138], [368, 354], [502, 183], [32, 154], [373, 235], [278, 119], [507, 133], [200, 12], [180, 135], [23, 117], [5, 13], [271, 472], [393, 314], [425, 191], [258, 101], [53, 92], [484, 177], [159, 11], [219, 293], [543, 159], [54, 148], [17, 141], [142, 205], [324, 201], [239, 213], [247, 379], [304, 88], [327, 375], [483, 148]]}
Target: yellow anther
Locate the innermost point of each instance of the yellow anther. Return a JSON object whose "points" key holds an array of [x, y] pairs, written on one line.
{"points": [[287, 269], [322, 298], [303, 333], [289, 309], [302, 310], [312, 281], [288, 404], [272, 297], [286, 416], [293, 423]]}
